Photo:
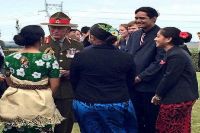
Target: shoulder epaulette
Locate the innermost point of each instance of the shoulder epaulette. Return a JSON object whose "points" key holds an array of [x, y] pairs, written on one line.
{"points": [[73, 40]]}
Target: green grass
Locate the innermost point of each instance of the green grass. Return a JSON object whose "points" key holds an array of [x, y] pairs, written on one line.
{"points": [[195, 112], [195, 115], [195, 118]]}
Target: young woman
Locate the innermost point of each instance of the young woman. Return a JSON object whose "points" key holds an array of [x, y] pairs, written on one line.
{"points": [[27, 105], [178, 88], [124, 35], [101, 76]]}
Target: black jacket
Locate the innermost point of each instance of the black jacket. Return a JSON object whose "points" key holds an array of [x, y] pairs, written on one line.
{"points": [[123, 45], [146, 58], [102, 74], [179, 82]]}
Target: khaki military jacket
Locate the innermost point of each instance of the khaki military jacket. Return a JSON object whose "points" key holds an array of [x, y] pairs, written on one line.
{"points": [[64, 53]]}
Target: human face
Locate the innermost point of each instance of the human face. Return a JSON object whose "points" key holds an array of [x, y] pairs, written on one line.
{"points": [[143, 21], [133, 28], [161, 41], [58, 32], [123, 32], [78, 35], [71, 34]]}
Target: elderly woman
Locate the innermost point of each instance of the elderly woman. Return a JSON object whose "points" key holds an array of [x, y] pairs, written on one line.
{"points": [[101, 77], [27, 105]]}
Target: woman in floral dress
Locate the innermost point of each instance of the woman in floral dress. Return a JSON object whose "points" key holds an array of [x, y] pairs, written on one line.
{"points": [[27, 105]]}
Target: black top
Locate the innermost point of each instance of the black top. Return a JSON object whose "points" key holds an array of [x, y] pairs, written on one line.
{"points": [[179, 82], [184, 46], [86, 42], [102, 74], [146, 57], [123, 45]]}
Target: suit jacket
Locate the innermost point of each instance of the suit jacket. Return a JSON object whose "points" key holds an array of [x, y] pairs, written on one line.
{"points": [[64, 54], [179, 82], [102, 74], [147, 58]]}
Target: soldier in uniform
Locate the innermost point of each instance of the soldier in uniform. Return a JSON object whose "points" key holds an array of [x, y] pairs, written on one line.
{"points": [[63, 48]]}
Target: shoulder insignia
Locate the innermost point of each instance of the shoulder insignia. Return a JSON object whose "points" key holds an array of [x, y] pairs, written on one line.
{"points": [[46, 57], [49, 50]]}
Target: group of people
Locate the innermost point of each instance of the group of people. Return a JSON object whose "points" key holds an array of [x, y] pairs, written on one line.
{"points": [[142, 81]]}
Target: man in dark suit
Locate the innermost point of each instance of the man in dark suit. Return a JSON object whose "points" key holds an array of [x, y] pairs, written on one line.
{"points": [[147, 57]]}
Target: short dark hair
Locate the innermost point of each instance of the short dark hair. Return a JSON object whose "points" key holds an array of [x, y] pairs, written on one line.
{"points": [[72, 30], [85, 29], [29, 35], [151, 12], [77, 30]]}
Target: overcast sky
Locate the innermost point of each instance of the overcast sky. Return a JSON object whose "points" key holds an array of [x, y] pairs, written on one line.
{"points": [[179, 13]]}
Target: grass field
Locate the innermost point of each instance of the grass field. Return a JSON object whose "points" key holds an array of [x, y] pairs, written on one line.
{"points": [[195, 116]]}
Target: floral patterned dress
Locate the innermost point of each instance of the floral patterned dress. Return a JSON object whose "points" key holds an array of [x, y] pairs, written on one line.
{"points": [[29, 107], [32, 66]]}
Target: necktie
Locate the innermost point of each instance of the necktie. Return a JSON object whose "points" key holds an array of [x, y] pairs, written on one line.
{"points": [[61, 44], [142, 38]]}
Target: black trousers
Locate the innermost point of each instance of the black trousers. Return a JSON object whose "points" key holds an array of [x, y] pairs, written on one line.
{"points": [[65, 108], [146, 112]]}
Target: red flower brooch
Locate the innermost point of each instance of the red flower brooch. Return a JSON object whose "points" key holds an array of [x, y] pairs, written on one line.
{"points": [[184, 35]]}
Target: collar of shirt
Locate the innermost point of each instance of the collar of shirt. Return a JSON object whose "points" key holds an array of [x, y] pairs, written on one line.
{"points": [[60, 41], [146, 32]]}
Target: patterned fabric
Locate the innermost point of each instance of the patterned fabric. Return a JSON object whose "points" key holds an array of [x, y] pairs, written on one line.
{"points": [[32, 66], [110, 29], [174, 118], [22, 107], [46, 129], [29, 111], [142, 38], [105, 118]]}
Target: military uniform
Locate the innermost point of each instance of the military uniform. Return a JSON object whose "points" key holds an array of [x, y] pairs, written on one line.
{"points": [[64, 53]]}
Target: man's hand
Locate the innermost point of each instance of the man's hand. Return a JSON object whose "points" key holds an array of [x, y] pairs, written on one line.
{"points": [[64, 73], [155, 100]]}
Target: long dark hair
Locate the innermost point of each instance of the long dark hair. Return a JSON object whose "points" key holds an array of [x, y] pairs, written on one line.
{"points": [[178, 37], [29, 35]]}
